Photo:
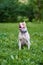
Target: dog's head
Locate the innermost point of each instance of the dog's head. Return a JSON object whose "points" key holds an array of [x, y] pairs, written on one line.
{"points": [[22, 26]]}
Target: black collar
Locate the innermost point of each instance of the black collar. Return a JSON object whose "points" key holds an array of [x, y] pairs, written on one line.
{"points": [[23, 31]]}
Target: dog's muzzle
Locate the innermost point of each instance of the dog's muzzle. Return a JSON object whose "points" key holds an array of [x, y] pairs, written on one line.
{"points": [[22, 29]]}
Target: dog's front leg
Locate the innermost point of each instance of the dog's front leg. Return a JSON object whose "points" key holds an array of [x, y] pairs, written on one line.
{"points": [[28, 44], [19, 45]]}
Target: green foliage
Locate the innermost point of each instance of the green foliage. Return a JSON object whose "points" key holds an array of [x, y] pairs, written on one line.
{"points": [[22, 18], [7, 12], [11, 9], [9, 52]]}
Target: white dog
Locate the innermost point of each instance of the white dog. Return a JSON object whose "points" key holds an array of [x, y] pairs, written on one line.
{"points": [[24, 37]]}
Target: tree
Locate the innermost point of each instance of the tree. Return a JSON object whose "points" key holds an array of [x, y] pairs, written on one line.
{"points": [[8, 11]]}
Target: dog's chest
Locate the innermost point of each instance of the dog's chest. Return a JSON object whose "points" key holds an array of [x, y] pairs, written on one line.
{"points": [[24, 36]]}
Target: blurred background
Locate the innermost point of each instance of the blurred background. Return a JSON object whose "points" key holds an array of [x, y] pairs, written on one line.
{"points": [[21, 10]]}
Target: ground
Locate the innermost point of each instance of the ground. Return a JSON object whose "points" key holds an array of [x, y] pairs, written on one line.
{"points": [[9, 52]]}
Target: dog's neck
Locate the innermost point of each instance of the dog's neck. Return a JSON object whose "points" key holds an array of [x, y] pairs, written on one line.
{"points": [[23, 30]]}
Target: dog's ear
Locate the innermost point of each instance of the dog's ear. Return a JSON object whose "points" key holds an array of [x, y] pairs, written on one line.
{"points": [[24, 23]]}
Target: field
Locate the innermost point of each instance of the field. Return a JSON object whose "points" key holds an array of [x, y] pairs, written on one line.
{"points": [[9, 52]]}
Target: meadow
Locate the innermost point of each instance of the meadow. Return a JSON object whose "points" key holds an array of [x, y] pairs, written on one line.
{"points": [[9, 52]]}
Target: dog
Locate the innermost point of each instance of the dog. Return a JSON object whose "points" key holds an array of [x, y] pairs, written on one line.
{"points": [[24, 37]]}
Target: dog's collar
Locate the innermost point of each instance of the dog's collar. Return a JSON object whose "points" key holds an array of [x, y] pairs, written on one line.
{"points": [[23, 31]]}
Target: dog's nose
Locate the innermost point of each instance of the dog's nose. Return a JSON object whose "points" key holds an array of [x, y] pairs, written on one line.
{"points": [[19, 26]]}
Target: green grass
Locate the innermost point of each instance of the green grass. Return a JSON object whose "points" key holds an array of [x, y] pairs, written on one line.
{"points": [[9, 52]]}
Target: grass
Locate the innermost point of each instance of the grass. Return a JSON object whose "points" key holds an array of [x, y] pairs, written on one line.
{"points": [[9, 52]]}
